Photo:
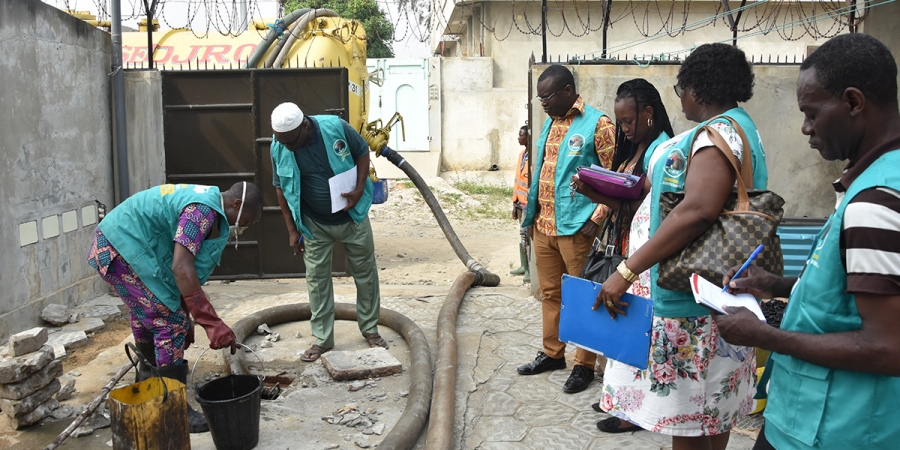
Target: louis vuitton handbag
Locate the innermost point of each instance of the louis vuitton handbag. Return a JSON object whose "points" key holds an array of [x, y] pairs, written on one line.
{"points": [[749, 218], [602, 260]]}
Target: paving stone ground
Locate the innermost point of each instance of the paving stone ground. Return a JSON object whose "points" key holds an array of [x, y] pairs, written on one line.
{"points": [[504, 410]]}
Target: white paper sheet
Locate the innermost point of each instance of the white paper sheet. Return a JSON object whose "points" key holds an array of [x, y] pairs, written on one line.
{"points": [[711, 296], [341, 183]]}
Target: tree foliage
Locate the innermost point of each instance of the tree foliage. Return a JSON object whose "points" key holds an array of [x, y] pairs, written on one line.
{"points": [[379, 30]]}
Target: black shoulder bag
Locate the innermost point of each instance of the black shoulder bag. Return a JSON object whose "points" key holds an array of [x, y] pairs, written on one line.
{"points": [[603, 259]]}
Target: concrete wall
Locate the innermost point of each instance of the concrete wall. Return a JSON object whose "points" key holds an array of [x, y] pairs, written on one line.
{"points": [[144, 129], [500, 26], [479, 122], [796, 172], [56, 140], [882, 25], [484, 97]]}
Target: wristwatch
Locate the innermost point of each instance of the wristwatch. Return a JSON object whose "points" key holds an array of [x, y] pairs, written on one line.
{"points": [[626, 273]]}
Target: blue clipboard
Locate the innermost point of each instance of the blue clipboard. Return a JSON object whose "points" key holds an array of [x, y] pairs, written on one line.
{"points": [[626, 339]]}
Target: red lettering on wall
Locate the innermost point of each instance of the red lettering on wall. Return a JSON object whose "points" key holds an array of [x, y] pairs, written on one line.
{"points": [[170, 50], [194, 50], [139, 55], [217, 51], [239, 52]]}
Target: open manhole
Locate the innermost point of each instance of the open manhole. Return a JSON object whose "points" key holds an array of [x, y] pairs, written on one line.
{"points": [[273, 385]]}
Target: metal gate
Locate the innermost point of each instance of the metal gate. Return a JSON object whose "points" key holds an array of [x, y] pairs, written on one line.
{"points": [[217, 132]]}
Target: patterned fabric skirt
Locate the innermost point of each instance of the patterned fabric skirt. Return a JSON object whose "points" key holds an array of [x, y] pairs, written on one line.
{"points": [[695, 384], [152, 322]]}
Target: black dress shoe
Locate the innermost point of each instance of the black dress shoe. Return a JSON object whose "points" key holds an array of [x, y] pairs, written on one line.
{"points": [[579, 380], [542, 364]]}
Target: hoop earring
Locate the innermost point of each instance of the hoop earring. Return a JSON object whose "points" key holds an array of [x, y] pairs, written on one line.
{"points": [[650, 122]]}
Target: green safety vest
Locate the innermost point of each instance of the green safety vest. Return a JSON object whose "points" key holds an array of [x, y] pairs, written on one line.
{"points": [[575, 150], [812, 406], [339, 158], [142, 229], [668, 176]]}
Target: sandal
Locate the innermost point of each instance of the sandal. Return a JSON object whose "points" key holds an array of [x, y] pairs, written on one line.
{"points": [[614, 425], [313, 353], [375, 340]]}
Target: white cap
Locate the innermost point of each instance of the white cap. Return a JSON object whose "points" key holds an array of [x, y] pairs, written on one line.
{"points": [[286, 117]]}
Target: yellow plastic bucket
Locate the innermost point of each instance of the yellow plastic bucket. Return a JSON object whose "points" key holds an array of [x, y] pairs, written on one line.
{"points": [[759, 404], [150, 415], [144, 416]]}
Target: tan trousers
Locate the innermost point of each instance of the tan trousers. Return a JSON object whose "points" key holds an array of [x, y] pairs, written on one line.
{"points": [[554, 256]]}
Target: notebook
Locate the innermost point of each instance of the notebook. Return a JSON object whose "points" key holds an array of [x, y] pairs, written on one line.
{"points": [[712, 297]]}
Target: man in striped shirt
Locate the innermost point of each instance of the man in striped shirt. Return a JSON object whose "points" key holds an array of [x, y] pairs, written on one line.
{"points": [[836, 359]]}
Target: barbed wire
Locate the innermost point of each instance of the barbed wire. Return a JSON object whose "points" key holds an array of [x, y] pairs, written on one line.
{"points": [[418, 19]]}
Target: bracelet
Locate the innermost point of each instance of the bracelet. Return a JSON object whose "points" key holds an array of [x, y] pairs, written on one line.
{"points": [[626, 273]]}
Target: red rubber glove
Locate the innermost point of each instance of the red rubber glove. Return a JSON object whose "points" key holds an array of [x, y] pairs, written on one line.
{"points": [[219, 334], [189, 338]]}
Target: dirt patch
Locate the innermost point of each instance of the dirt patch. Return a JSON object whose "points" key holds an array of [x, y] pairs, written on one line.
{"points": [[110, 336]]}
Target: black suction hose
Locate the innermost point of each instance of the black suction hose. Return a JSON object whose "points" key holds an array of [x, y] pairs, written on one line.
{"points": [[485, 278], [273, 34], [408, 428]]}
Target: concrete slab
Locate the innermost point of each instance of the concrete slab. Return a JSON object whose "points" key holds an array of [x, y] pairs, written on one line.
{"points": [[13, 370], [108, 313], [368, 363], [35, 382], [56, 314], [88, 325], [68, 340], [27, 341], [104, 300], [27, 404]]}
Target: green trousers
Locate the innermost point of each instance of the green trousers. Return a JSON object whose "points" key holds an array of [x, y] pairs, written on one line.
{"points": [[359, 246]]}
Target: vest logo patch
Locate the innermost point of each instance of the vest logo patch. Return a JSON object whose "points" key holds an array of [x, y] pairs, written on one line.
{"points": [[166, 189], [675, 163], [340, 148], [575, 144]]}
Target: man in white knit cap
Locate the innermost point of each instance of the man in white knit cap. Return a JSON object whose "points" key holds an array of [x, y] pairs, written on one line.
{"points": [[306, 152]]}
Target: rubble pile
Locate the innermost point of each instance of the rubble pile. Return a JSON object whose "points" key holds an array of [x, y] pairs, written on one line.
{"points": [[351, 416], [29, 379]]}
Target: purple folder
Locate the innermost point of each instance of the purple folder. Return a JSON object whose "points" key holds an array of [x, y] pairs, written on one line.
{"points": [[613, 184]]}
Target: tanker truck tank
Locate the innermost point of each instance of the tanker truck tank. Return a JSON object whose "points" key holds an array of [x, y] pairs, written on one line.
{"points": [[331, 42]]}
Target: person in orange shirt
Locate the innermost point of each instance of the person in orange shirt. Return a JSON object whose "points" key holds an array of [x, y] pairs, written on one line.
{"points": [[520, 201]]}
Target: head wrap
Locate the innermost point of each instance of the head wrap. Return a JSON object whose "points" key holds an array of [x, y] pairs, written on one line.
{"points": [[286, 117]]}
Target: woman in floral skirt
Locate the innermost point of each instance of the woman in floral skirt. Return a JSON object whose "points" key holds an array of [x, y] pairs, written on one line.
{"points": [[696, 386]]}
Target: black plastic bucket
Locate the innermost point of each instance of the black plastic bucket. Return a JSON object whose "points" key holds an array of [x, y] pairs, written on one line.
{"points": [[231, 405]]}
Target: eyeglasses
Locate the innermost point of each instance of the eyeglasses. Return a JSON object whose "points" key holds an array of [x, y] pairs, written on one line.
{"points": [[547, 98], [678, 90]]}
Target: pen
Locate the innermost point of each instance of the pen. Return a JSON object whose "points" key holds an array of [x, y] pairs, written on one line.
{"points": [[745, 265], [299, 241]]}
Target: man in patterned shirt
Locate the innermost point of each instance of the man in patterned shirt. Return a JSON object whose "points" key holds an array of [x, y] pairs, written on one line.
{"points": [[836, 358], [563, 224], [156, 249]]}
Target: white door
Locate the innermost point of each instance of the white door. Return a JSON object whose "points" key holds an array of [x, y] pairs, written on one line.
{"points": [[405, 90]]}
